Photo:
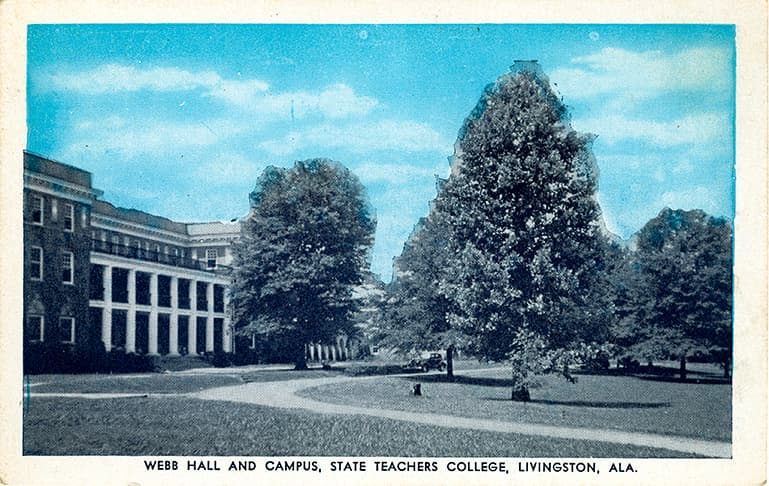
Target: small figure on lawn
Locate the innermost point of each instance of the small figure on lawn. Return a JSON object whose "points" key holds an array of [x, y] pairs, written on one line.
{"points": [[417, 390]]}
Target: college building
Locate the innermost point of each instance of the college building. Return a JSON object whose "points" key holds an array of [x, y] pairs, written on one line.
{"points": [[99, 276]]}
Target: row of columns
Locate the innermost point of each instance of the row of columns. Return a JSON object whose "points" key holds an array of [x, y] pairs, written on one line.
{"points": [[173, 327], [338, 351]]}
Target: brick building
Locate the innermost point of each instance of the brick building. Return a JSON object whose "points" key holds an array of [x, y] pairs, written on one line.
{"points": [[98, 276]]}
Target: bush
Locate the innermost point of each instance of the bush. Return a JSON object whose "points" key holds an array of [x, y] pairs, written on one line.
{"points": [[220, 359], [368, 370]]}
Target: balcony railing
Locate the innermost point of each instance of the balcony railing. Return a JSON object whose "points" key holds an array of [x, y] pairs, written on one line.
{"points": [[151, 256]]}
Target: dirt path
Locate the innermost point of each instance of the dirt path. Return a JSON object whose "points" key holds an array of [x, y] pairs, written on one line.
{"points": [[282, 394]]}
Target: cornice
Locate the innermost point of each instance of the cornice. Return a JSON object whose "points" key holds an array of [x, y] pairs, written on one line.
{"points": [[57, 187]]}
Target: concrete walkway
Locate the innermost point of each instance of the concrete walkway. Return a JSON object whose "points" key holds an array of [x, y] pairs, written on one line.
{"points": [[93, 396], [282, 394]]}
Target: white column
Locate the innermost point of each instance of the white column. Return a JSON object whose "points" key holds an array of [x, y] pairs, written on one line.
{"points": [[152, 345], [192, 325], [226, 327], [130, 322], [106, 312], [311, 352], [333, 352], [173, 320], [210, 317], [318, 352]]}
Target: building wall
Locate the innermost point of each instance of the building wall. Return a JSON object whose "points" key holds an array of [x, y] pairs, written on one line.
{"points": [[50, 296], [150, 253]]}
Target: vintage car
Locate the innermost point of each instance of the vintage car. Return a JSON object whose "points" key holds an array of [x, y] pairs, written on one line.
{"points": [[433, 362]]}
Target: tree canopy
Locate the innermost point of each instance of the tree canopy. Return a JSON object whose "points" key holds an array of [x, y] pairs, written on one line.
{"points": [[679, 288], [523, 223], [303, 248]]}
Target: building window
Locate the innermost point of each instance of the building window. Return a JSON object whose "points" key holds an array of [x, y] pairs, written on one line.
{"points": [[69, 217], [211, 258], [36, 263], [252, 344], [67, 267], [38, 205], [67, 329], [35, 328]]}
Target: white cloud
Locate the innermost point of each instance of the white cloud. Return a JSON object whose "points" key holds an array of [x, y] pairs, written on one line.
{"points": [[403, 135], [334, 101], [153, 137], [705, 128], [645, 74], [114, 78]]}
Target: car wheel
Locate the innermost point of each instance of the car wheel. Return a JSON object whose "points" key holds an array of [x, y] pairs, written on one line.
{"points": [[443, 367]]}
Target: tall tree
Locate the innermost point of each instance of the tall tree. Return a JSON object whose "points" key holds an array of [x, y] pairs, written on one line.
{"points": [[523, 229], [303, 248], [682, 295]]}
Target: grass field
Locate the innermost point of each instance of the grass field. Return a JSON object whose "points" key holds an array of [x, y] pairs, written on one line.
{"points": [[608, 402], [170, 425]]}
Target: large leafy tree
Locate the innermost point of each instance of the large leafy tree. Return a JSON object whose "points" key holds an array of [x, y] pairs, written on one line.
{"points": [[523, 230], [680, 291], [303, 248]]}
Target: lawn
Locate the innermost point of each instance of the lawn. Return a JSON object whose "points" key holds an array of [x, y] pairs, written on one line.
{"points": [[640, 404], [169, 425], [164, 382], [144, 383]]}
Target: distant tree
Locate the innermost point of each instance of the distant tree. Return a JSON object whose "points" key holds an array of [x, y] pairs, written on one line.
{"points": [[303, 248], [523, 230], [681, 289], [414, 314]]}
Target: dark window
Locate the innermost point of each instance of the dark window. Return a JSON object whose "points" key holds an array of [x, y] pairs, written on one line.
{"points": [[143, 290], [35, 329], [218, 298], [164, 291], [183, 291], [119, 285], [211, 256], [38, 205], [96, 284], [36, 263], [67, 267], [69, 217], [202, 297], [67, 329]]}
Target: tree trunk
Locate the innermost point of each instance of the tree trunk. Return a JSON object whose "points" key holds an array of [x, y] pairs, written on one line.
{"points": [[520, 394], [727, 364], [450, 363], [520, 391], [682, 368], [300, 362]]}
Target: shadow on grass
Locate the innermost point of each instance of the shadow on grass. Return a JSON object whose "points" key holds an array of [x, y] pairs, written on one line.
{"points": [[696, 381], [590, 404], [463, 380], [656, 373]]}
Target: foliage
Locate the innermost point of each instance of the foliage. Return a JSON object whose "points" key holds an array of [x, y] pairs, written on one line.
{"points": [[302, 249], [679, 292], [414, 313], [523, 232]]}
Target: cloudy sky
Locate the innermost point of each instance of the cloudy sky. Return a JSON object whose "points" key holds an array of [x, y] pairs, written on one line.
{"points": [[180, 120]]}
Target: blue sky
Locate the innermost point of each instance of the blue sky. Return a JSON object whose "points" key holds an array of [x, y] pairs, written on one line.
{"points": [[180, 120]]}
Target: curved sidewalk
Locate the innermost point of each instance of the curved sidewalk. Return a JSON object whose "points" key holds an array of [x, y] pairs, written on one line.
{"points": [[282, 394]]}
